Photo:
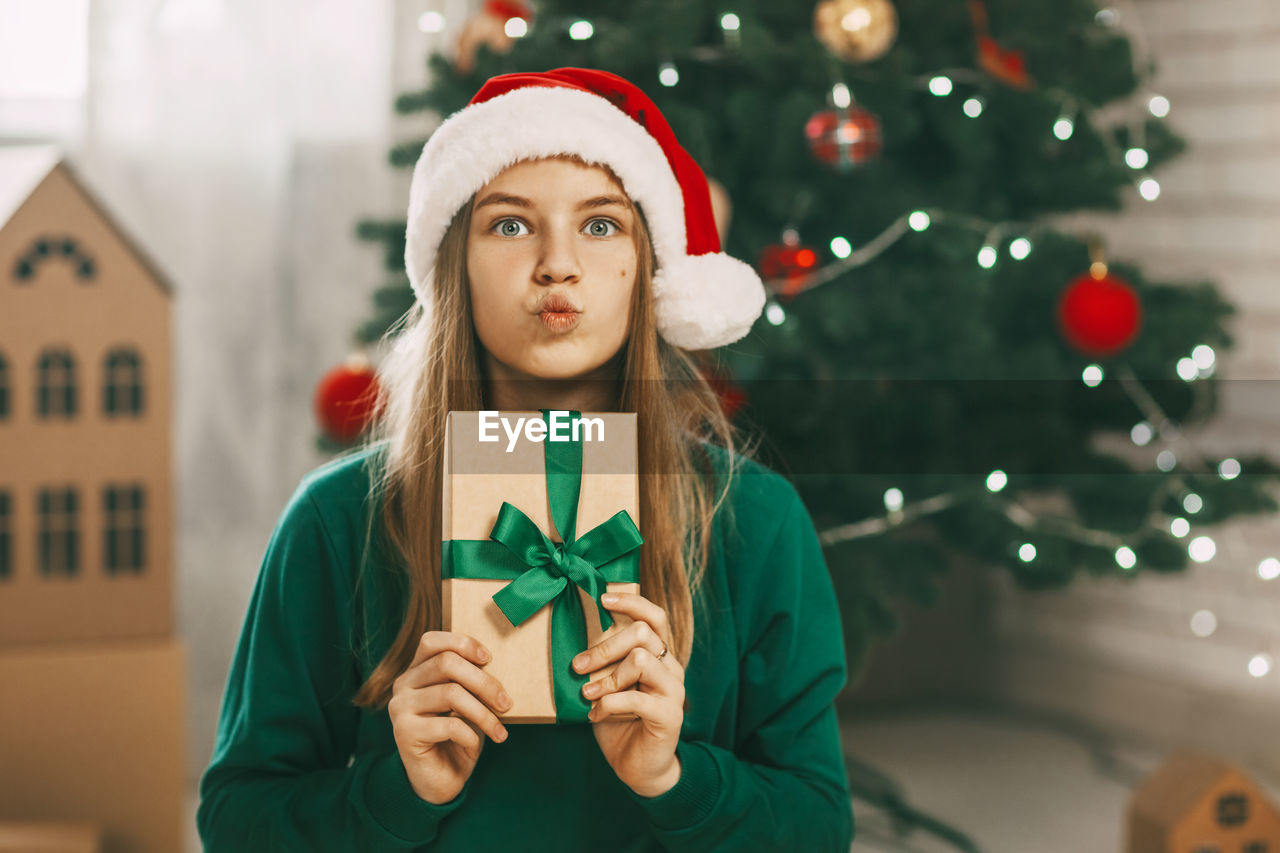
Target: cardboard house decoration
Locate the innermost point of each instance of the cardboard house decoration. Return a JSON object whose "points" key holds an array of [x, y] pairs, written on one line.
{"points": [[1194, 803], [93, 732]]}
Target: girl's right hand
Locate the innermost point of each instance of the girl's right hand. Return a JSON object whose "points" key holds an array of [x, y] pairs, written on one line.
{"points": [[437, 717]]}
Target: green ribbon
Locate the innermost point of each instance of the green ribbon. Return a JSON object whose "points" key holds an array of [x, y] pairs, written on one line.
{"points": [[542, 571]]}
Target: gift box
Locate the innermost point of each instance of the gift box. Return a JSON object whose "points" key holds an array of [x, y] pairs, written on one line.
{"points": [[540, 518]]}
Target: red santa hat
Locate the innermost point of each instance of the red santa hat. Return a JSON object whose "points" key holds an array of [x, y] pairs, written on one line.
{"points": [[703, 298]]}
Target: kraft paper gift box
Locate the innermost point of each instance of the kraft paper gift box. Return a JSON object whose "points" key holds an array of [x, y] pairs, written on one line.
{"points": [[534, 532]]}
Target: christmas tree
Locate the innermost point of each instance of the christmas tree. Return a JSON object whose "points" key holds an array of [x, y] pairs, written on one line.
{"points": [[940, 364]]}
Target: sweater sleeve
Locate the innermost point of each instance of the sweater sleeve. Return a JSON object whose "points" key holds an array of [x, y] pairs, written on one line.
{"points": [[281, 776], [784, 787]]}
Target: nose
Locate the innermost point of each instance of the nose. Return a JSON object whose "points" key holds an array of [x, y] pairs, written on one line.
{"points": [[559, 259]]}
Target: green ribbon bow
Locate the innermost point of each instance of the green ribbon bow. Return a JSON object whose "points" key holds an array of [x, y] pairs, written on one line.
{"points": [[545, 572]]}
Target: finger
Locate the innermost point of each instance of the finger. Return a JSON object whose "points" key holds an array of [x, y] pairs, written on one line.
{"points": [[616, 646], [642, 609], [455, 699], [433, 730], [449, 666], [662, 714], [639, 669], [434, 642]]}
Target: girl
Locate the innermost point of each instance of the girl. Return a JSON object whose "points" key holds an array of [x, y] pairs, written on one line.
{"points": [[563, 253]]}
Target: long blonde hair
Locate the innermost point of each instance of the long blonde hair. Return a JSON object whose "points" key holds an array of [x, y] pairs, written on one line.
{"points": [[434, 367]]}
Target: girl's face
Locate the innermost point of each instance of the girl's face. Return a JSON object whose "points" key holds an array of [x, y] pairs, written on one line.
{"points": [[551, 260]]}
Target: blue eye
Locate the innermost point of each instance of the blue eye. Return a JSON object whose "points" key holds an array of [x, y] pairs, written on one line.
{"points": [[608, 222], [501, 225]]}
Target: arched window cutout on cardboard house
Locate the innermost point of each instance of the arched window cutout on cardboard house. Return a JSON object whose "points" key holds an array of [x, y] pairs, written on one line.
{"points": [[56, 384], [6, 536], [124, 531], [4, 387], [50, 249], [122, 385], [58, 526]]}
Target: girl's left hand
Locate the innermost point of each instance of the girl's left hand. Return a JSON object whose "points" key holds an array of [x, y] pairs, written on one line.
{"points": [[643, 751]]}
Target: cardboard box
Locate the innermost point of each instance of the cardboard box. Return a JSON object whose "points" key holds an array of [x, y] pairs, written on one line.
{"points": [[479, 476], [96, 733], [49, 838], [86, 459]]}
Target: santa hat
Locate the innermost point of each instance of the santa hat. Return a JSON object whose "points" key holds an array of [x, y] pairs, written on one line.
{"points": [[703, 298]]}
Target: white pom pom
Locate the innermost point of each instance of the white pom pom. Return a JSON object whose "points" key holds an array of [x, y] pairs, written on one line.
{"points": [[707, 301]]}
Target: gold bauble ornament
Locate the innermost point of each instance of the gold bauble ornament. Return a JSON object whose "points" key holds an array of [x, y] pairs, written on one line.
{"points": [[856, 30]]}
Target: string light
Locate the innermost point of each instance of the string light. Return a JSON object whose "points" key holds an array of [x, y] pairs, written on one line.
{"points": [[1092, 375], [1259, 664], [1202, 549], [581, 30], [840, 247], [668, 75], [1142, 433], [515, 28], [1020, 248], [1027, 552], [918, 220], [1136, 158], [431, 22], [1125, 558], [1063, 128], [893, 500], [1158, 106], [973, 107], [1149, 189], [840, 96], [1269, 569], [1203, 623], [1179, 527], [729, 21], [1166, 460], [1228, 469], [774, 314], [940, 85], [1203, 356], [1192, 503], [997, 480], [987, 257], [1187, 370]]}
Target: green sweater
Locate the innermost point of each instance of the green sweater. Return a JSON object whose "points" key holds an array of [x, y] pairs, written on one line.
{"points": [[297, 767]]}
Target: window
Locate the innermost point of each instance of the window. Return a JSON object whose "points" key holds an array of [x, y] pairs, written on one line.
{"points": [[1233, 809], [56, 384], [122, 383], [4, 387], [57, 249], [58, 532], [44, 67], [6, 536], [124, 542]]}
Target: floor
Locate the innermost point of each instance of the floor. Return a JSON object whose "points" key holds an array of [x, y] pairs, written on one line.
{"points": [[1007, 784]]}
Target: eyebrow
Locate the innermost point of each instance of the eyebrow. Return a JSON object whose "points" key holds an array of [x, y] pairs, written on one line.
{"points": [[519, 201]]}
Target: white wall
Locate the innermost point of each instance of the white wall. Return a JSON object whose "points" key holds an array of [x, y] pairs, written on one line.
{"points": [[240, 142], [1123, 652]]}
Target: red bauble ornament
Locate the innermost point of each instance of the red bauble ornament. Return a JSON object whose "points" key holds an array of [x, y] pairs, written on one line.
{"points": [[843, 138], [789, 264], [1099, 313], [346, 399]]}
